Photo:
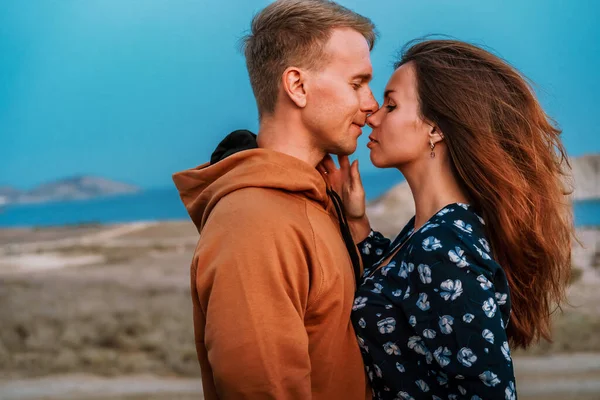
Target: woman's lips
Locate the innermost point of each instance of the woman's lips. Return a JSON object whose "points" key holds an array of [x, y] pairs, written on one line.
{"points": [[372, 142]]}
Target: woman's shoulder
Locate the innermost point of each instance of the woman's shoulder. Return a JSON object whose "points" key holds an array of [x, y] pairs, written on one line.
{"points": [[456, 234], [454, 222]]}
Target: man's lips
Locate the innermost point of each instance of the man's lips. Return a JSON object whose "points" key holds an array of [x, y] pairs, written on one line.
{"points": [[359, 127]]}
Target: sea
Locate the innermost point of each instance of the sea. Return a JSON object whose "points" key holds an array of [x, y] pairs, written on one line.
{"points": [[164, 204]]}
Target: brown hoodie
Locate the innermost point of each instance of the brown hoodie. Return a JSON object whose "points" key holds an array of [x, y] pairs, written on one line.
{"points": [[272, 282]]}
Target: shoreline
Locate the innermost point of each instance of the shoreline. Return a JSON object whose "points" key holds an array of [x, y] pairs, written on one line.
{"points": [[93, 224], [397, 201]]}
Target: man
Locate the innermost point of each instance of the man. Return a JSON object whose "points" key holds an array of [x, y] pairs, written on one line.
{"points": [[272, 279]]}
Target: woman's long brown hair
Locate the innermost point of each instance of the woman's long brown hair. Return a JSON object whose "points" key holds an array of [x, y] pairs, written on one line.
{"points": [[508, 156]]}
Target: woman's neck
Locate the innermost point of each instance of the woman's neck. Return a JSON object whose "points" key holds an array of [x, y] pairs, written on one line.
{"points": [[433, 186]]}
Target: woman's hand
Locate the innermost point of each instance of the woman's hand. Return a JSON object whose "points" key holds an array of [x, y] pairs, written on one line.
{"points": [[346, 182]]}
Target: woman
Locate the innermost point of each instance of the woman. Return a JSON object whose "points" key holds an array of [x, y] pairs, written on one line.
{"points": [[487, 254]]}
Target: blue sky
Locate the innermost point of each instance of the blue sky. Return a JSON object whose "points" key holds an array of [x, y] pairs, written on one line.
{"points": [[134, 90]]}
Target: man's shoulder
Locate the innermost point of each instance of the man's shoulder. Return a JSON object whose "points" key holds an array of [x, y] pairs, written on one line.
{"points": [[257, 199], [256, 216], [260, 209]]}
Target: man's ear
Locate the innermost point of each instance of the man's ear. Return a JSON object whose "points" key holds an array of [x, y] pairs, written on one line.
{"points": [[293, 85]]}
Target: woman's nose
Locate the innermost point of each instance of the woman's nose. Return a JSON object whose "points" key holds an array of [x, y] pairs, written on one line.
{"points": [[373, 119]]}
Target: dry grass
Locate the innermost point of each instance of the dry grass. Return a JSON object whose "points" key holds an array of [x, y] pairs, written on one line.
{"points": [[38, 234], [75, 322], [572, 332], [130, 315], [107, 328], [123, 254], [133, 314], [171, 229]]}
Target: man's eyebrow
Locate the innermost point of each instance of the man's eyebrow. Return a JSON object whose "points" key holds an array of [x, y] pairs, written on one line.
{"points": [[363, 77]]}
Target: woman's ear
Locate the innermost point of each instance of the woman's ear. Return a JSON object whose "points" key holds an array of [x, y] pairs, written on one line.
{"points": [[435, 134], [293, 85]]}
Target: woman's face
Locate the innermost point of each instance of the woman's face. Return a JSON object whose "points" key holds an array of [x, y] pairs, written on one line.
{"points": [[400, 137]]}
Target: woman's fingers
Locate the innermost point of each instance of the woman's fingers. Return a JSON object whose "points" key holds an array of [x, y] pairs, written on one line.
{"points": [[355, 175], [328, 164], [354, 178], [354, 194], [321, 168], [344, 164]]}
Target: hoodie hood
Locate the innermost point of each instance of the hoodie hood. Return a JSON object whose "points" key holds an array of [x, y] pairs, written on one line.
{"points": [[238, 163]]}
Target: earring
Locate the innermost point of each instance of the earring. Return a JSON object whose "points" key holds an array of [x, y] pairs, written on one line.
{"points": [[432, 145]]}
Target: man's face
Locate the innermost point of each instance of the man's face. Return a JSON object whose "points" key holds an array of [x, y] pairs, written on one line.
{"points": [[338, 94]]}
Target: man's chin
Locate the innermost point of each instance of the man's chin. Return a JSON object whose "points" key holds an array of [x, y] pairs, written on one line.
{"points": [[344, 150]]}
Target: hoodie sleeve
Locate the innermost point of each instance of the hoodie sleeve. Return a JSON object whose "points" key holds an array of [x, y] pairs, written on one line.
{"points": [[253, 283]]}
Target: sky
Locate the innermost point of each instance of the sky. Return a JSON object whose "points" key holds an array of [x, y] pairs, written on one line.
{"points": [[134, 90]]}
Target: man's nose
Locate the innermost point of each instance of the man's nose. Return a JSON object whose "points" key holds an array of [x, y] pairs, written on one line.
{"points": [[370, 105]]}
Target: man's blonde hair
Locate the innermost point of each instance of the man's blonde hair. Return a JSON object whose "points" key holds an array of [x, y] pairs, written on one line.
{"points": [[293, 33]]}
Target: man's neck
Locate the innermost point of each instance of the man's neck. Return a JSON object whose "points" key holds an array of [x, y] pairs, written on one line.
{"points": [[288, 137]]}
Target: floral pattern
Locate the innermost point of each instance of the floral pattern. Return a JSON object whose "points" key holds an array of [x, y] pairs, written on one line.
{"points": [[424, 273], [442, 291], [451, 290]]}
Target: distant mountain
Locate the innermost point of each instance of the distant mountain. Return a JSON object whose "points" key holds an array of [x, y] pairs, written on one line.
{"points": [[393, 209], [586, 177], [75, 188], [8, 194]]}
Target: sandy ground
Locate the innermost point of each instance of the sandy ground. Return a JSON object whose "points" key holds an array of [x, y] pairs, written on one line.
{"points": [[574, 376], [103, 312]]}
